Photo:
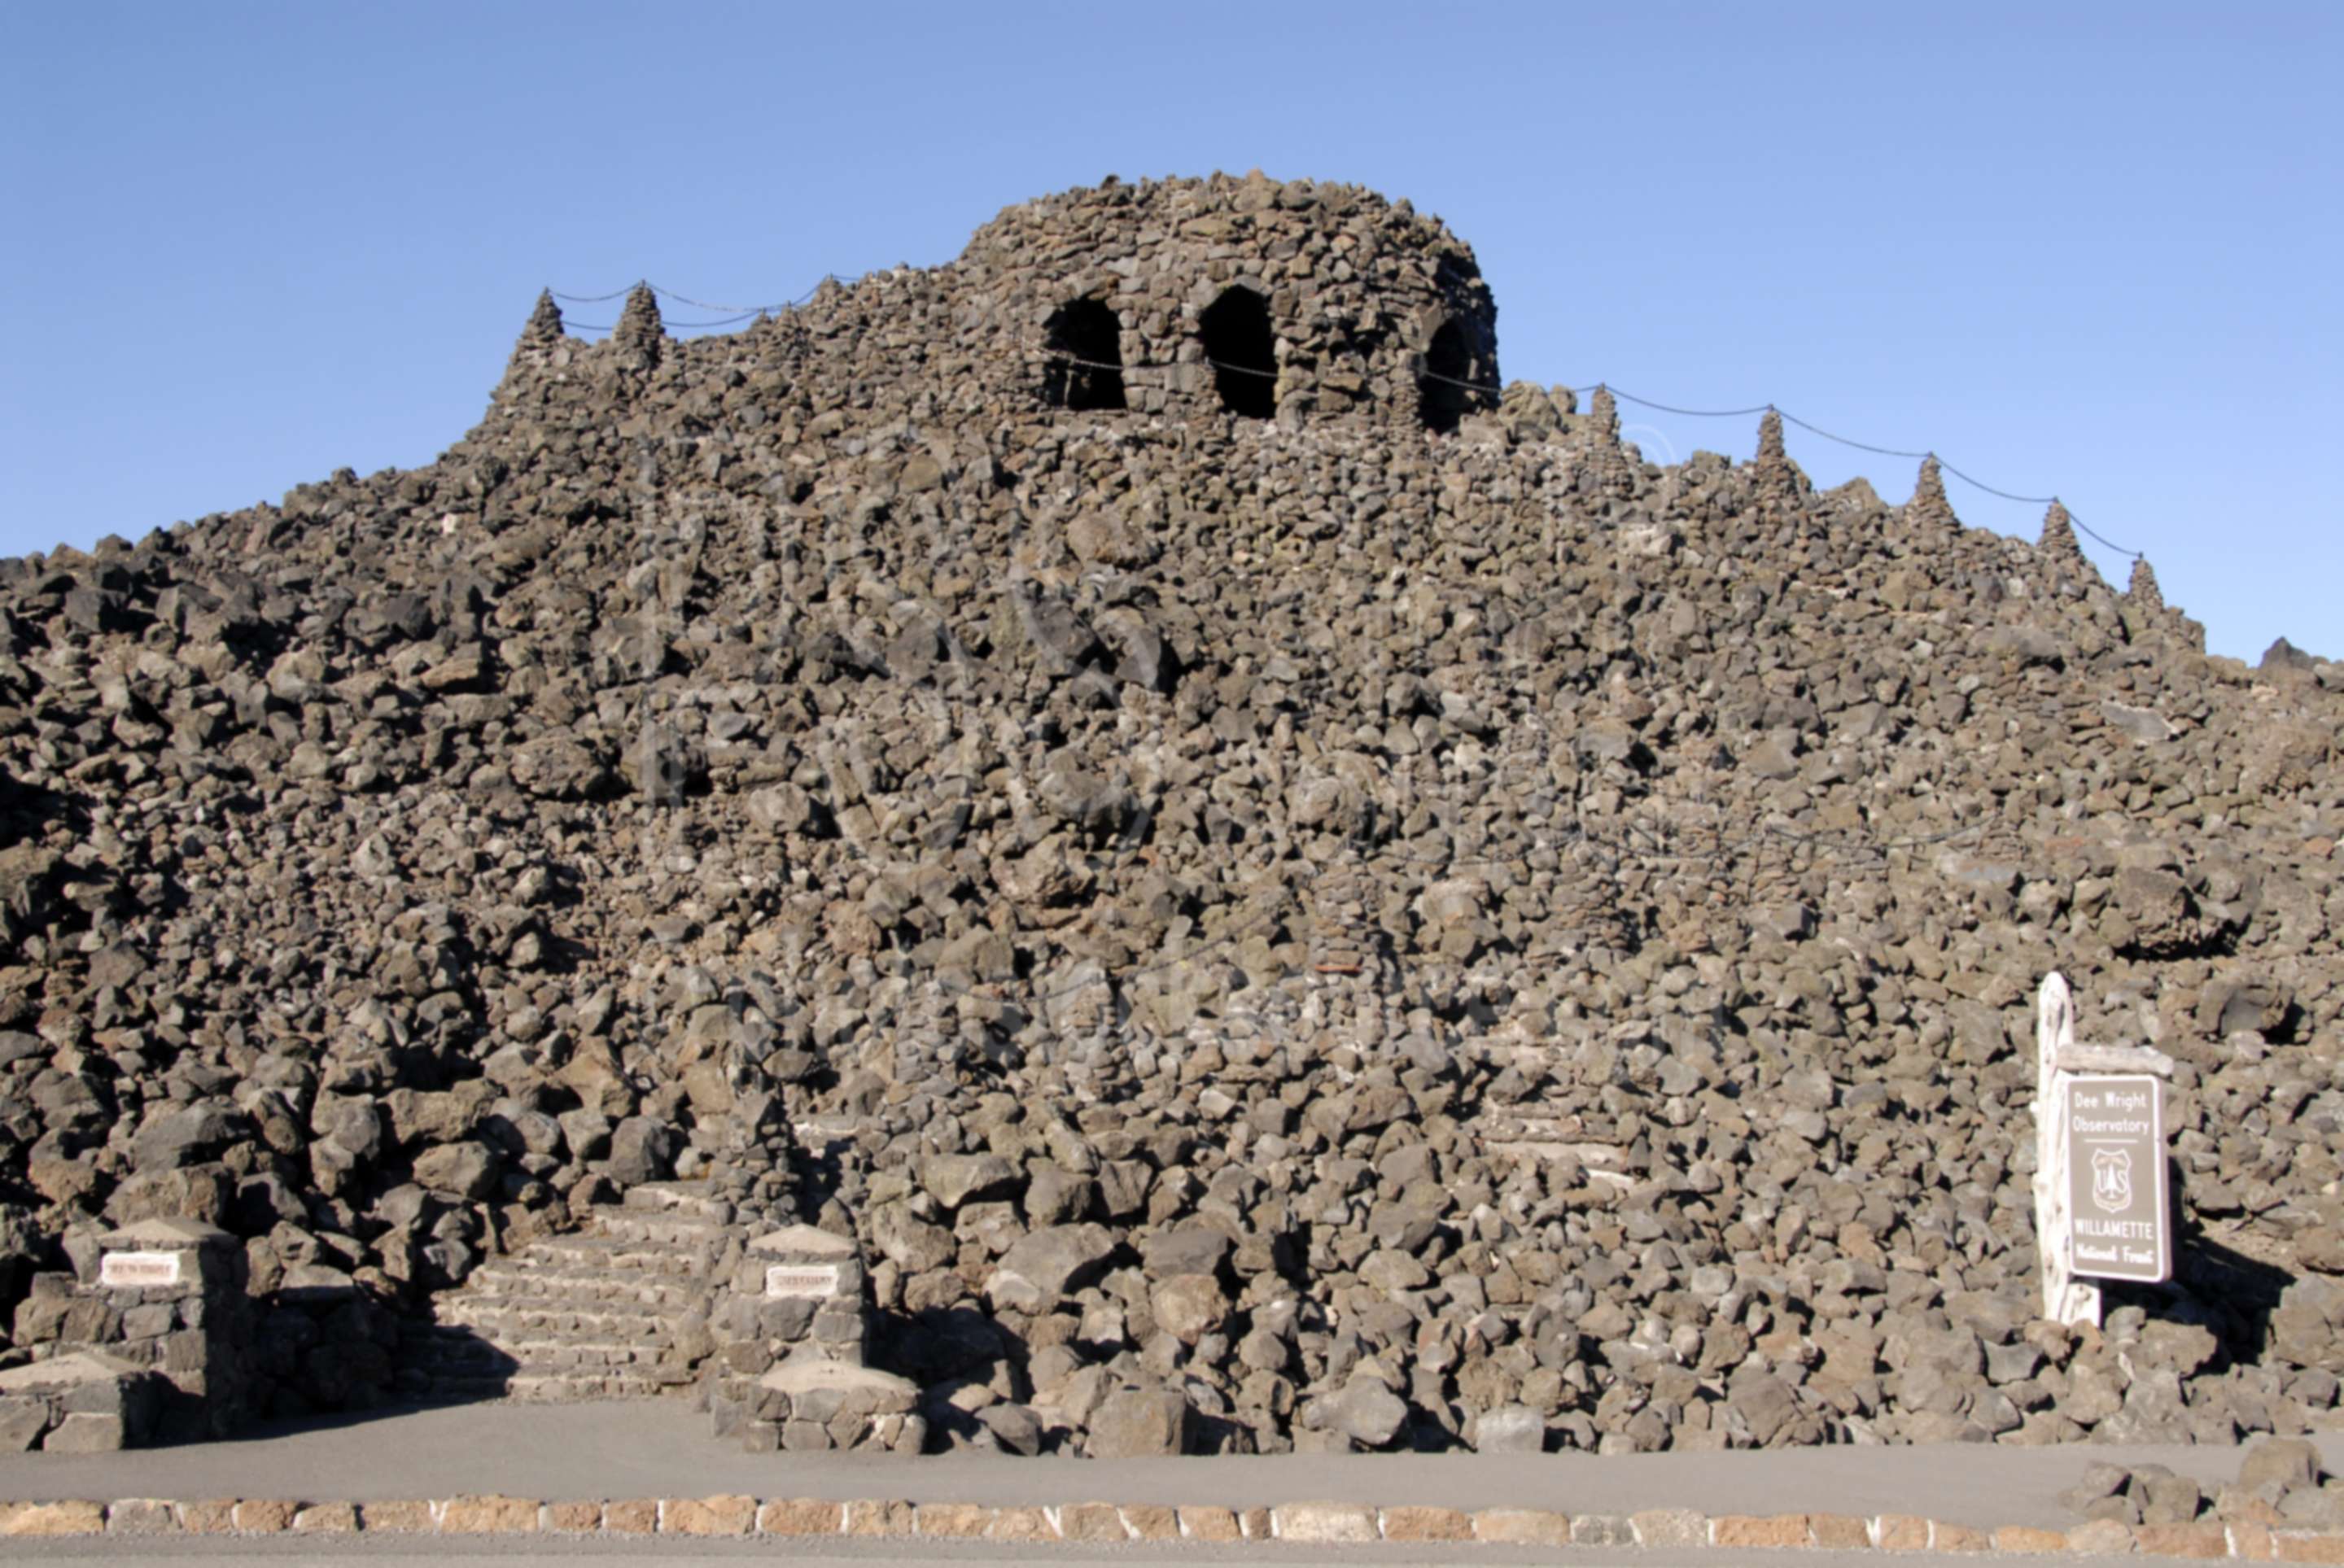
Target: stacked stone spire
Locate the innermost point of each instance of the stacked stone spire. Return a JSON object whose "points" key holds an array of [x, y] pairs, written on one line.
{"points": [[640, 331], [542, 337], [1604, 410], [1779, 479], [2059, 544], [1609, 459], [544, 328], [1928, 506], [2142, 589]]}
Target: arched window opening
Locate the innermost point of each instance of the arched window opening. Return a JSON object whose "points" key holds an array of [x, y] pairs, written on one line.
{"points": [[1243, 351], [1446, 386], [1085, 366]]}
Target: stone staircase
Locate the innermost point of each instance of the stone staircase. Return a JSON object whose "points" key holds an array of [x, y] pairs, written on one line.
{"points": [[616, 1310], [1539, 1130]]}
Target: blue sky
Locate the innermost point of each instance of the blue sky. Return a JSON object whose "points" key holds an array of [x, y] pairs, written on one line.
{"points": [[2083, 251]]}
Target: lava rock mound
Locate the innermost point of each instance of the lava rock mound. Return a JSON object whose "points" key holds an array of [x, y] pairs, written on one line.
{"points": [[1292, 895]]}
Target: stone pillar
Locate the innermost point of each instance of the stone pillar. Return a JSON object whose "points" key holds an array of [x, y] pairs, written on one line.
{"points": [[794, 1289], [148, 1337], [809, 1289], [180, 1288], [788, 1371]]}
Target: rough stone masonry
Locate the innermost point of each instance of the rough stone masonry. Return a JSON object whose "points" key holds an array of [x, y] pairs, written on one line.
{"points": [[1286, 896]]}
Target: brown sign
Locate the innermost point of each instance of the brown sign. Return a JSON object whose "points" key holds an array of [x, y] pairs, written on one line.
{"points": [[2119, 1224]]}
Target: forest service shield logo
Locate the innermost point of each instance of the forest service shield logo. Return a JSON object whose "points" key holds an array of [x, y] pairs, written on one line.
{"points": [[2112, 1180]]}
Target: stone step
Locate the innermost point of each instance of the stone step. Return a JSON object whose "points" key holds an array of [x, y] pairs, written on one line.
{"points": [[475, 1357], [1525, 1053], [461, 1336], [612, 1254], [1554, 1143], [655, 1228], [1529, 1120], [572, 1387], [544, 1388], [820, 1133], [508, 1279], [502, 1321], [547, 1354], [421, 1389], [695, 1199]]}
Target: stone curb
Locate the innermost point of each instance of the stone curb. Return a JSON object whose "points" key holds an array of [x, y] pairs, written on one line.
{"points": [[1313, 1523]]}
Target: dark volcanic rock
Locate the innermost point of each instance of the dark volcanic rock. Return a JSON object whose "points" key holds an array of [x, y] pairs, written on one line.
{"points": [[1400, 921]]}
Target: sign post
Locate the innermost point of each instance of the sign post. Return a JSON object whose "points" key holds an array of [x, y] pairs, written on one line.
{"points": [[2100, 1200]]}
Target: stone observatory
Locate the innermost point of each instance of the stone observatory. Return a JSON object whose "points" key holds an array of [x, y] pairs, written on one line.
{"points": [[1114, 847], [1291, 302]]}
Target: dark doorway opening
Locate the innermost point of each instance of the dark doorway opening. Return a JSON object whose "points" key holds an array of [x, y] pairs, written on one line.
{"points": [[1446, 388], [1243, 351], [1085, 366]]}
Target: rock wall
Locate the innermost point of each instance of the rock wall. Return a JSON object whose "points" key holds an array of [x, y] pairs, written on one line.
{"points": [[1316, 931]]}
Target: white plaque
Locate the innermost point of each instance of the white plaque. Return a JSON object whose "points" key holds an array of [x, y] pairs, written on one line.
{"points": [[135, 1271], [802, 1280]]}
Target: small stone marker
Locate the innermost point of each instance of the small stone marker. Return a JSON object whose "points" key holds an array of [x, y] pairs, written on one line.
{"points": [[802, 1280], [133, 1270], [2119, 1228]]}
